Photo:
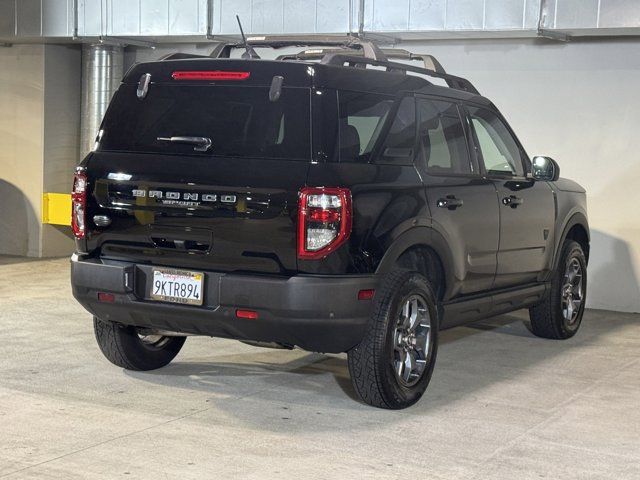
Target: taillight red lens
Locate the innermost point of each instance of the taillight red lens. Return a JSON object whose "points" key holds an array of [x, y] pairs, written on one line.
{"points": [[210, 75], [319, 215], [79, 205], [324, 221]]}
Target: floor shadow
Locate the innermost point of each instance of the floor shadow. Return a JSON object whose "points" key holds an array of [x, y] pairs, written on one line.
{"points": [[471, 359], [17, 220]]}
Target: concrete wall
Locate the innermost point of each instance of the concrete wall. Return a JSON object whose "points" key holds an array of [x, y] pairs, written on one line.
{"points": [[61, 144], [21, 134], [39, 135], [577, 102]]}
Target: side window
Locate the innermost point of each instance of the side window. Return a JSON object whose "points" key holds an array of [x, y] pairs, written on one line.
{"points": [[399, 145], [442, 140], [500, 152], [362, 116]]}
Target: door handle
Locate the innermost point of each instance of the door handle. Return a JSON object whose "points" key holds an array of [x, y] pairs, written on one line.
{"points": [[449, 202], [512, 201]]}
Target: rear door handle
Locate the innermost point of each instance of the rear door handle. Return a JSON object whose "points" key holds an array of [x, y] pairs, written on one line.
{"points": [[450, 202], [512, 201]]}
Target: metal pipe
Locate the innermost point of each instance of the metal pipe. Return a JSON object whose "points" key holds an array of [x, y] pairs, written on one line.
{"points": [[76, 20], [543, 32], [209, 19], [102, 70]]}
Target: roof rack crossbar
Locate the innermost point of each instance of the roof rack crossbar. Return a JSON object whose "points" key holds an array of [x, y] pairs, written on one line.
{"points": [[181, 56], [430, 62], [457, 83]]}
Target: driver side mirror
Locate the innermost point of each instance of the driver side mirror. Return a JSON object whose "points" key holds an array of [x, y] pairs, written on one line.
{"points": [[545, 168]]}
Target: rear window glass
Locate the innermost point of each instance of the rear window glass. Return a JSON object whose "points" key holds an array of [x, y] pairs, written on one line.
{"points": [[362, 116], [239, 121]]}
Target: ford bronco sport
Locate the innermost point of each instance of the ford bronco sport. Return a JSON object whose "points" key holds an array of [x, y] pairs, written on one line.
{"points": [[332, 200]]}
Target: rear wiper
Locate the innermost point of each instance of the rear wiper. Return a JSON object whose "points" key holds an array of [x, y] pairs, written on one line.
{"points": [[202, 143]]}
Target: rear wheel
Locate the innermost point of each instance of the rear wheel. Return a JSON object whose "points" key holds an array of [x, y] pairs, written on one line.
{"points": [[125, 347], [559, 314], [392, 366]]}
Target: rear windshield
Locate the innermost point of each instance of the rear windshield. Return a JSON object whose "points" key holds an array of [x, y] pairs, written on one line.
{"points": [[239, 121]]}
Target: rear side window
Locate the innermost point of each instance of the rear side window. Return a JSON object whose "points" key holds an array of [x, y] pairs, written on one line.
{"points": [[399, 144], [442, 139], [240, 121], [361, 120]]}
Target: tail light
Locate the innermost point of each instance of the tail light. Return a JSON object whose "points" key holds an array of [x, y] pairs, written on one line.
{"points": [[79, 204], [324, 221]]}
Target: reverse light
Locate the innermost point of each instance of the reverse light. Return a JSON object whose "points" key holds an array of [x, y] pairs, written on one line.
{"points": [[79, 205], [210, 75], [324, 221]]}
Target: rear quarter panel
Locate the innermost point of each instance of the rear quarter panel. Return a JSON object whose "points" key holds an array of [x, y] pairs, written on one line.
{"points": [[388, 200]]}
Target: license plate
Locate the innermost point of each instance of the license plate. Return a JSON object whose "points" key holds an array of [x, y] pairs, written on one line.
{"points": [[177, 286]]}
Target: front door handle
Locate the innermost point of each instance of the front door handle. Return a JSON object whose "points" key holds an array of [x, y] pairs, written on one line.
{"points": [[512, 201], [450, 202]]}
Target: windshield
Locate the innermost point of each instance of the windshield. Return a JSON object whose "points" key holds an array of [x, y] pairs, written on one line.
{"points": [[239, 121]]}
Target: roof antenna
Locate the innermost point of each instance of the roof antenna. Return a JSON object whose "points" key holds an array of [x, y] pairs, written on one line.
{"points": [[250, 52]]}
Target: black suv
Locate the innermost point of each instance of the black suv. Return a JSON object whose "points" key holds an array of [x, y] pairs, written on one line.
{"points": [[332, 200]]}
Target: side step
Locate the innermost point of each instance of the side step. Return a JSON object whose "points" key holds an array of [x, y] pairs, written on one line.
{"points": [[477, 307]]}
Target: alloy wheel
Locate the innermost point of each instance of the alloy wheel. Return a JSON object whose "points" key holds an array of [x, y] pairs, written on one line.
{"points": [[572, 293], [412, 340], [156, 341]]}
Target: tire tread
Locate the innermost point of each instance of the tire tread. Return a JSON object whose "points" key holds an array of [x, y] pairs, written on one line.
{"points": [[364, 360], [122, 347], [545, 318]]}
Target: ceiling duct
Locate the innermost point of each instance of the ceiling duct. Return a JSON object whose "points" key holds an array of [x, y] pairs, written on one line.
{"points": [[203, 20]]}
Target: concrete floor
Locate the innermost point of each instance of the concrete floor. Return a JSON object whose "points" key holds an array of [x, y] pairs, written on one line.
{"points": [[502, 403]]}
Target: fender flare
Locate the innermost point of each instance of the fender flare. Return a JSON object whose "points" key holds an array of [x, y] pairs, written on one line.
{"points": [[421, 237], [577, 218]]}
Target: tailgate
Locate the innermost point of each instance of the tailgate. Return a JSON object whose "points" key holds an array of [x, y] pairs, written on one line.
{"points": [[228, 204], [189, 214]]}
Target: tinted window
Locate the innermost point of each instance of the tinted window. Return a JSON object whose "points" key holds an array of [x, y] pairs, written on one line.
{"points": [[399, 144], [500, 152], [361, 118], [442, 138], [240, 121]]}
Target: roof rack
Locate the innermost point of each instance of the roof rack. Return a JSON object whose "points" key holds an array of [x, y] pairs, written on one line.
{"points": [[437, 71], [350, 50], [429, 61], [350, 42]]}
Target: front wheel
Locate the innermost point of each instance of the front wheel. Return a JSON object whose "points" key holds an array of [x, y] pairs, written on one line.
{"points": [[392, 366], [125, 347], [559, 315]]}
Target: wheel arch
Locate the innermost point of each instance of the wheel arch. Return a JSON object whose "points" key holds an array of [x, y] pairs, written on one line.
{"points": [[424, 250], [576, 228]]}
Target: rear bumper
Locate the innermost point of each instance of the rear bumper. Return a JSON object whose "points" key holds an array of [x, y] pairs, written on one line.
{"points": [[316, 313]]}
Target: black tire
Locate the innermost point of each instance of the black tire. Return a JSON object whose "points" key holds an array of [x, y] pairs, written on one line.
{"points": [[371, 363], [547, 318], [125, 348]]}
